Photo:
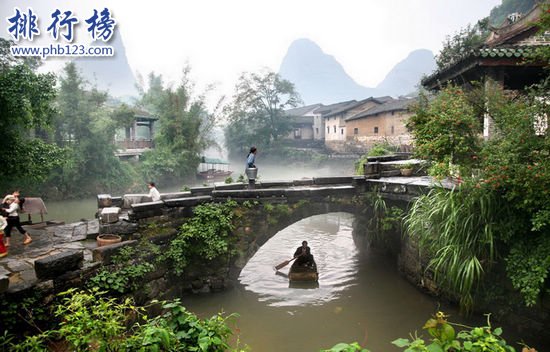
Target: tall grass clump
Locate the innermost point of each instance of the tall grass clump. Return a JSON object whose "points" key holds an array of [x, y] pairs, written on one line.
{"points": [[457, 229]]}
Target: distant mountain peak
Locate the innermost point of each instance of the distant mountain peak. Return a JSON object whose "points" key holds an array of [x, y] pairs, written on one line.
{"points": [[320, 78], [111, 73]]}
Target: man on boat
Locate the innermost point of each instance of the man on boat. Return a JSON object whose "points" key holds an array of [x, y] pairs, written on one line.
{"points": [[303, 255]]}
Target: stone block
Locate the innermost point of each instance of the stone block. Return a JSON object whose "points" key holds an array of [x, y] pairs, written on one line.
{"points": [[202, 191], [272, 192], [105, 254], [129, 199], [55, 265], [332, 180], [188, 201], [384, 158], [298, 193], [92, 230], [144, 214], [148, 206], [329, 191], [117, 202], [303, 182], [372, 169], [393, 188], [390, 173], [230, 186], [104, 200], [271, 184], [119, 228], [174, 195], [110, 215]]}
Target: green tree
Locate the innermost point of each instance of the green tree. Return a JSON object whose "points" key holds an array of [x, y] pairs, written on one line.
{"points": [[26, 106], [446, 130], [256, 115], [516, 165], [542, 52], [85, 127], [498, 13], [462, 43], [184, 132]]}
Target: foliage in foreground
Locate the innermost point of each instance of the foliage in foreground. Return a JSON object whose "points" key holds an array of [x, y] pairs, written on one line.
{"points": [[445, 338], [91, 322]]}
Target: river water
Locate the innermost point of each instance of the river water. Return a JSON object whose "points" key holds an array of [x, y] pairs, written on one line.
{"points": [[360, 297]]}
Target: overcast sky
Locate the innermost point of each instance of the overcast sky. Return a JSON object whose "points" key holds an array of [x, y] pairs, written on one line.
{"points": [[222, 38]]}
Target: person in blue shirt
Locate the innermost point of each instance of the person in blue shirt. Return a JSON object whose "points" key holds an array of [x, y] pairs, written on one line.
{"points": [[251, 158]]}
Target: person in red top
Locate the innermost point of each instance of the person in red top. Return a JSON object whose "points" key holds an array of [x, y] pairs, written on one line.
{"points": [[3, 249]]}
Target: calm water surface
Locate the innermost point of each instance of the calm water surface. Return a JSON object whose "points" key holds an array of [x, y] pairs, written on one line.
{"points": [[360, 297]]}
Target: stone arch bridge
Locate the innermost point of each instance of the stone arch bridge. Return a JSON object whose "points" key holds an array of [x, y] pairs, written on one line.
{"points": [[299, 199]]}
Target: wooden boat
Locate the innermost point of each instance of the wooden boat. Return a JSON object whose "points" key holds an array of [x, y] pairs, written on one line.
{"points": [[303, 273], [211, 169], [213, 174]]}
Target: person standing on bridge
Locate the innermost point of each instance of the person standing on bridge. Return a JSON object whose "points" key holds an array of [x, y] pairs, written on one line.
{"points": [[153, 192], [251, 158]]}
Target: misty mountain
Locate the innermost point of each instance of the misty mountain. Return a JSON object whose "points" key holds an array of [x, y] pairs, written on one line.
{"points": [[319, 78], [404, 77], [110, 73]]}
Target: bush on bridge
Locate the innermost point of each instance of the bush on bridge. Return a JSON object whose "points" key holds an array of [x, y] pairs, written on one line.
{"points": [[205, 236]]}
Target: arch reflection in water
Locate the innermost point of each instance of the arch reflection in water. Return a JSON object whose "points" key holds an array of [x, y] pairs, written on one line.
{"points": [[332, 245]]}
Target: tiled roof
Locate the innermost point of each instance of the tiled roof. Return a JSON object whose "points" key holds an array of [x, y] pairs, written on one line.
{"points": [[302, 110], [388, 106], [504, 43], [329, 109], [378, 100], [472, 59], [307, 120], [144, 115], [503, 52]]}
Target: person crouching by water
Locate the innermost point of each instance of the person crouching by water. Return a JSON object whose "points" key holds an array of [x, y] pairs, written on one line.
{"points": [[14, 206], [303, 255], [251, 158]]}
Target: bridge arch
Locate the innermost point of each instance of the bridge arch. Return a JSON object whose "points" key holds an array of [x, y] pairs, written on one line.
{"points": [[261, 225]]}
